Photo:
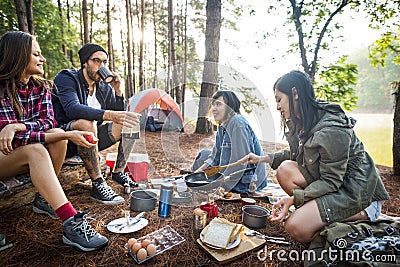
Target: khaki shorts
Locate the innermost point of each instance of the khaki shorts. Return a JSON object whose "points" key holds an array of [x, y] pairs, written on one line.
{"points": [[374, 210]]}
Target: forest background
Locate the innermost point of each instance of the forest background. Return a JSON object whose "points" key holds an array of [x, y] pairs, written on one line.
{"points": [[349, 48]]}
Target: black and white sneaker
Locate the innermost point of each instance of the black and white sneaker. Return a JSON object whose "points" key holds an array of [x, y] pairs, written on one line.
{"points": [[41, 206], [123, 179], [78, 233], [103, 193]]}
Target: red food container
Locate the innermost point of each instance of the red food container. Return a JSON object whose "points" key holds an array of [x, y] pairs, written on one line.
{"points": [[137, 165], [210, 208]]}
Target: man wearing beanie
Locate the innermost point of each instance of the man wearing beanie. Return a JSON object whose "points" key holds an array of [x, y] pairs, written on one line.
{"points": [[82, 101]]}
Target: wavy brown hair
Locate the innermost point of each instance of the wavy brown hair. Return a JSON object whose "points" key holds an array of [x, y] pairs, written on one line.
{"points": [[15, 54]]}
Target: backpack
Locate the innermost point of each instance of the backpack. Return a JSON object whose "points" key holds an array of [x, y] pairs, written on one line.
{"points": [[359, 243]]}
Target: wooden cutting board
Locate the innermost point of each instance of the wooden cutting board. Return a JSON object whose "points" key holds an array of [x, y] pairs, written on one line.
{"points": [[247, 244]]}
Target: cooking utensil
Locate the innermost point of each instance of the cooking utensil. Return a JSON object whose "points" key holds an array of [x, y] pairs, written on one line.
{"points": [[143, 200], [216, 169], [201, 179], [258, 234], [116, 224], [134, 220], [255, 216], [271, 239]]}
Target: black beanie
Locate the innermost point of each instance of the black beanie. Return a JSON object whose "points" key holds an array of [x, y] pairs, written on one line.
{"points": [[87, 50]]}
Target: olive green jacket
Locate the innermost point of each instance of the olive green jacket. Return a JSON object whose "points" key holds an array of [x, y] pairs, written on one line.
{"points": [[340, 174]]}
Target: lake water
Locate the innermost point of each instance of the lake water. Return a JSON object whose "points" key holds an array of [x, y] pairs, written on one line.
{"points": [[376, 132]]}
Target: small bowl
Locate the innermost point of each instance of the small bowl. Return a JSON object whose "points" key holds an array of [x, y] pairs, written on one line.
{"points": [[255, 216], [143, 200], [248, 201]]}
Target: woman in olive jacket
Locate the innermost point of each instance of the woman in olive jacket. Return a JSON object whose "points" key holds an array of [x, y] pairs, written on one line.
{"points": [[326, 173]]}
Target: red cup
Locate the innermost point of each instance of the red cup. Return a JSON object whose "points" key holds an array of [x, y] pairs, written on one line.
{"points": [[210, 208], [248, 201]]}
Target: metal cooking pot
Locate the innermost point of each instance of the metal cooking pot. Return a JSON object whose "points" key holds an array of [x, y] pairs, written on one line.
{"points": [[143, 200], [255, 216]]}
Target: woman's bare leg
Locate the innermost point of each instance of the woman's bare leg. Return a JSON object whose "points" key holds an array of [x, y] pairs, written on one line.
{"points": [[57, 151], [35, 159], [304, 222], [289, 177]]}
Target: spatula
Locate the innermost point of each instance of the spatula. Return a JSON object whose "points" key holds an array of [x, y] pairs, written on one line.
{"points": [[210, 171]]}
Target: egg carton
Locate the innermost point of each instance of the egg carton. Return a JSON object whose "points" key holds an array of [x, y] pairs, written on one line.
{"points": [[164, 239]]}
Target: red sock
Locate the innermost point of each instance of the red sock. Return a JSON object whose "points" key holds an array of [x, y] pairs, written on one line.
{"points": [[66, 211]]}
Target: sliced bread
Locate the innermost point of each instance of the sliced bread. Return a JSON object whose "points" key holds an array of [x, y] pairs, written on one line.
{"points": [[218, 234]]}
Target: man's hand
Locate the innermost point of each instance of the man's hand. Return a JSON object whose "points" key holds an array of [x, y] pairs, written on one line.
{"points": [[116, 84], [126, 118]]}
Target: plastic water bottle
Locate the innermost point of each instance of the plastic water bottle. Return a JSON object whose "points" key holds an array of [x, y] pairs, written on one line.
{"points": [[164, 206]]}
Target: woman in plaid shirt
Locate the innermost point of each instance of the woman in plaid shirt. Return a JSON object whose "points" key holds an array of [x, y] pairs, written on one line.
{"points": [[29, 141]]}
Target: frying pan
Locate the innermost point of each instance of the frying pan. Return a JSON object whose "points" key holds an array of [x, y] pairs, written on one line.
{"points": [[196, 179], [200, 178]]}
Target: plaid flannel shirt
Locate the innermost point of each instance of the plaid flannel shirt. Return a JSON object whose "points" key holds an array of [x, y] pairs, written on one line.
{"points": [[38, 115]]}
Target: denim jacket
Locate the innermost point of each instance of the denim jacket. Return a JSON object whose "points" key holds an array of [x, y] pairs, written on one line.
{"points": [[70, 98], [233, 142]]}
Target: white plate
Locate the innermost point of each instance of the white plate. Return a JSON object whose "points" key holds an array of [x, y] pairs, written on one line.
{"points": [[230, 245], [128, 229]]}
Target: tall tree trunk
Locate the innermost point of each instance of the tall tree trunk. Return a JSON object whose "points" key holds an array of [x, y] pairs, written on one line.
{"points": [[123, 37], [396, 129], [109, 33], [141, 49], [29, 16], [60, 11], [154, 83], [184, 60], [20, 7], [311, 69], [175, 88], [132, 51], [91, 22], [209, 84], [85, 22], [70, 52], [129, 89]]}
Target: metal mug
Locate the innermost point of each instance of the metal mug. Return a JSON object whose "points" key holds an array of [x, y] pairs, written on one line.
{"points": [[106, 75]]}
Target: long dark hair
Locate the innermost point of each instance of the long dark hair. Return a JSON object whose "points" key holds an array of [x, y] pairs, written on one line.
{"points": [[308, 105], [15, 55]]}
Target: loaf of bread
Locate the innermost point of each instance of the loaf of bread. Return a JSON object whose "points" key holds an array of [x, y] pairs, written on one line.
{"points": [[218, 234], [235, 233], [221, 232]]}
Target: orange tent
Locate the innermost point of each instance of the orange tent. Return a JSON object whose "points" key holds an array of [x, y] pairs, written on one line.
{"points": [[143, 102]]}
